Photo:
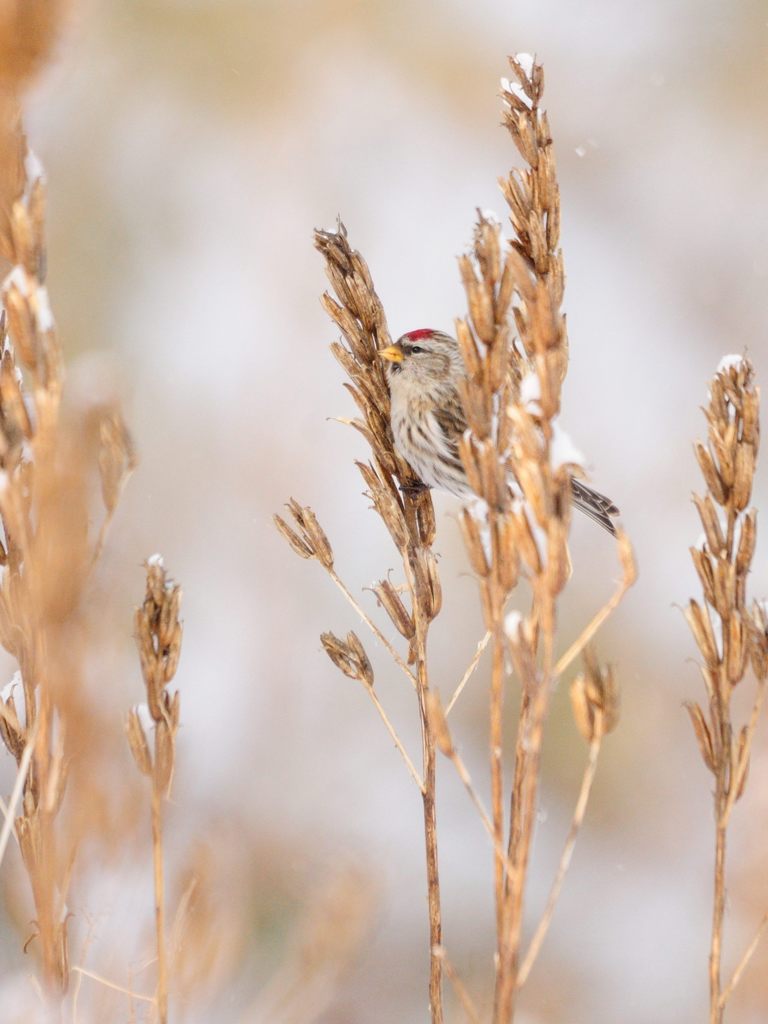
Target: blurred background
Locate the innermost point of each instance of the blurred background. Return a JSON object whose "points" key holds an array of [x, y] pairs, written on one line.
{"points": [[191, 146]]}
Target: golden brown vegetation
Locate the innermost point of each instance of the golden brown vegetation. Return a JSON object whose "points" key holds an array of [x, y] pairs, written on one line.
{"points": [[509, 541], [728, 631], [53, 536]]}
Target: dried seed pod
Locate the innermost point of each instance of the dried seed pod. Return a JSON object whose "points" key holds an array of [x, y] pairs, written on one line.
{"points": [[392, 603], [117, 456], [758, 640], [525, 543], [711, 524], [21, 324], [364, 665], [349, 656], [594, 699], [747, 541], [471, 531], [468, 349], [701, 627], [740, 775], [703, 735], [165, 754], [744, 475], [310, 541], [712, 477], [469, 454], [703, 564], [11, 730], [435, 592], [425, 517], [137, 741], [509, 562], [737, 649]]}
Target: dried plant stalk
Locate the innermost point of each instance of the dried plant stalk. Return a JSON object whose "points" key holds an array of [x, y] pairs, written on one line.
{"points": [[158, 635], [520, 532], [511, 438], [728, 633], [405, 508]]}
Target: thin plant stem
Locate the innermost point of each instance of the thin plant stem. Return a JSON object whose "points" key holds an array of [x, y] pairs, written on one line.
{"points": [[464, 776], [716, 1006], [157, 860], [469, 673], [430, 838], [565, 859], [742, 964], [82, 972], [597, 621], [396, 739], [462, 993], [530, 736], [497, 780]]}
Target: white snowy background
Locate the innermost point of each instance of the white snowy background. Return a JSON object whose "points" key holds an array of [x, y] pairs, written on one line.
{"points": [[191, 147]]}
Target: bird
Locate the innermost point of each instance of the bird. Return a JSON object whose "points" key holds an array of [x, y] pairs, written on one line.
{"points": [[423, 368]]}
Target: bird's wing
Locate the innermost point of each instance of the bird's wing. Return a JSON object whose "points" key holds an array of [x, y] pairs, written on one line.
{"points": [[452, 423]]}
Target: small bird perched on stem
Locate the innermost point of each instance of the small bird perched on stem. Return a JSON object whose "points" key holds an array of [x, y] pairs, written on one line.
{"points": [[427, 418]]}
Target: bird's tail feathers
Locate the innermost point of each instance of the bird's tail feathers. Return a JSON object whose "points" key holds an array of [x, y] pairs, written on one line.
{"points": [[594, 505]]}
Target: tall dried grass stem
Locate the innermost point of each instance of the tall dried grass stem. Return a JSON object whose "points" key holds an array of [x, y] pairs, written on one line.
{"points": [[542, 928]]}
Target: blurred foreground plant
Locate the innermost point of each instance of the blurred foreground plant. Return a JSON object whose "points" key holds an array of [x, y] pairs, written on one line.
{"points": [[509, 539]]}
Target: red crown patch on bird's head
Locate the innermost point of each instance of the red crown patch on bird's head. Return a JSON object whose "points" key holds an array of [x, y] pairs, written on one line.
{"points": [[423, 332]]}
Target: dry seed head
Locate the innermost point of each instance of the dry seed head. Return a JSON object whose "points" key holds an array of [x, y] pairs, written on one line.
{"points": [[474, 544], [594, 699], [392, 603], [137, 741], [757, 626], [711, 523], [747, 541], [737, 649], [349, 656], [309, 540], [701, 627], [25, 244], [703, 735], [165, 751], [117, 456], [158, 635], [740, 774], [20, 323], [11, 731], [703, 564], [468, 349], [525, 542], [522, 643], [434, 595]]}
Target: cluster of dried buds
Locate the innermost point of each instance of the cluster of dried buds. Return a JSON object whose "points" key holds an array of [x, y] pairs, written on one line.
{"points": [[524, 281], [359, 315], [727, 631], [158, 635], [403, 504], [595, 699], [308, 539], [348, 655]]}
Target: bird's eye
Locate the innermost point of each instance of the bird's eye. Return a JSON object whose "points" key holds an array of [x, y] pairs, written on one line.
{"points": [[416, 349]]}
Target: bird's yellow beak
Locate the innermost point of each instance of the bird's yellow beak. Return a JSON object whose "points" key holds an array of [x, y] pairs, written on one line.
{"points": [[392, 354]]}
